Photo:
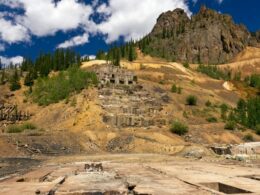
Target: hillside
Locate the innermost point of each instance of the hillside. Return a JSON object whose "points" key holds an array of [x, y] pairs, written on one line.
{"points": [[207, 37]]}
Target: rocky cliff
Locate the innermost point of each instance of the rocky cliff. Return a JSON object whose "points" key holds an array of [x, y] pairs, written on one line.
{"points": [[207, 37]]}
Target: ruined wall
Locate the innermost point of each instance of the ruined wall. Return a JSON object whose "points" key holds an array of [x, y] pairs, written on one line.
{"points": [[127, 104]]}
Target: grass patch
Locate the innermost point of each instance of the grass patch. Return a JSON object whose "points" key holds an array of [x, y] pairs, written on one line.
{"points": [[214, 72], [14, 129], [212, 119], [230, 125], [21, 128], [179, 128]]}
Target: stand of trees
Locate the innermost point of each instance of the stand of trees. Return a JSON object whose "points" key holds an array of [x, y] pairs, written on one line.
{"points": [[247, 112], [116, 53], [60, 60]]}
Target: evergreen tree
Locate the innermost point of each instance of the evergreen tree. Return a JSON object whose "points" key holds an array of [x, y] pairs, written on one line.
{"points": [[29, 80], [131, 56], [1, 66], [15, 81], [2, 81], [241, 111]]}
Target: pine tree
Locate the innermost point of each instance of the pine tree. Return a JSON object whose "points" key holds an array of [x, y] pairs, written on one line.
{"points": [[2, 81], [28, 81], [241, 111], [15, 81], [131, 53], [1, 66]]}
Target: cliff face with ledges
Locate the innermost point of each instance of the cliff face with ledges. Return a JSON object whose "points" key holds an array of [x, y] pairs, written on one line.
{"points": [[207, 37]]}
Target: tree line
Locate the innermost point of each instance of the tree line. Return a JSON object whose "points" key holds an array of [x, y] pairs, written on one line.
{"points": [[118, 52], [60, 60]]}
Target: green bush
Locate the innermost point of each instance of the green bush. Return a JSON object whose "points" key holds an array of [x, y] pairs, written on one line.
{"points": [[14, 129], [191, 100], [21, 128], [174, 88], [224, 109], [230, 125], [248, 138], [212, 119], [186, 65], [50, 90], [179, 128], [179, 90], [208, 103], [29, 126], [257, 130]]}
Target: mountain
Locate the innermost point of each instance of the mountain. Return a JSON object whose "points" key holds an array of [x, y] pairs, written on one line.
{"points": [[207, 37]]}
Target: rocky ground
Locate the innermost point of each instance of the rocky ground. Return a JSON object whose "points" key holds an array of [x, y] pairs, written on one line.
{"points": [[135, 174]]}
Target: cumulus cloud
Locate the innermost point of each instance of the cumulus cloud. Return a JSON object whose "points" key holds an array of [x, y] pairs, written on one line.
{"points": [[15, 60], [133, 19], [75, 41], [44, 17], [11, 32]]}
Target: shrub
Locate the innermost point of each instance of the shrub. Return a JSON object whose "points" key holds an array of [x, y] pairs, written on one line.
{"points": [[14, 129], [224, 109], [21, 128], [186, 65], [174, 88], [179, 90], [208, 103], [257, 130], [230, 125], [212, 119], [29, 126], [179, 128], [191, 100], [248, 138]]}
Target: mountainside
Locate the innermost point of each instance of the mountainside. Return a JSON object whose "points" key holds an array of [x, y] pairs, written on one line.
{"points": [[207, 37]]}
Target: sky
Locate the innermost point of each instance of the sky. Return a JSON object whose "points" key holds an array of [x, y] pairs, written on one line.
{"points": [[31, 27]]}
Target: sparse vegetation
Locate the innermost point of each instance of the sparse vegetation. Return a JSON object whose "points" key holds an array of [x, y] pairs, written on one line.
{"points": [[212, 119], [174, 88], [208, 103], [214, 72], [50, 90], [179, 128], [21, 128], [248, 138], [191, 100], [186, 65], [224, 109], [230, 125]]}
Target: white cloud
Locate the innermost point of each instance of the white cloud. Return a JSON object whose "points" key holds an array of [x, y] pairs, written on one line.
{"points": [[43, 17], [220, 1], [75, 41], [134, 19], [11, 32], [91, 57], [14, 60]]}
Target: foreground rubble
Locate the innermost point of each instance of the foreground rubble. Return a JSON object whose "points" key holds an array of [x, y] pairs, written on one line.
{"points": [[134, 174]]}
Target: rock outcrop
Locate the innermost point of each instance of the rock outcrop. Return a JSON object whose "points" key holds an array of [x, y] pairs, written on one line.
{"points": [[207, 37]]}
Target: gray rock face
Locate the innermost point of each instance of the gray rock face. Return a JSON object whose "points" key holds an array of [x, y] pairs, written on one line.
{"points": [[207, 37]]}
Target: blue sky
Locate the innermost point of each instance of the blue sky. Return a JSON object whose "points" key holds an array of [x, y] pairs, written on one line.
{"points": [[29, 27]]}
